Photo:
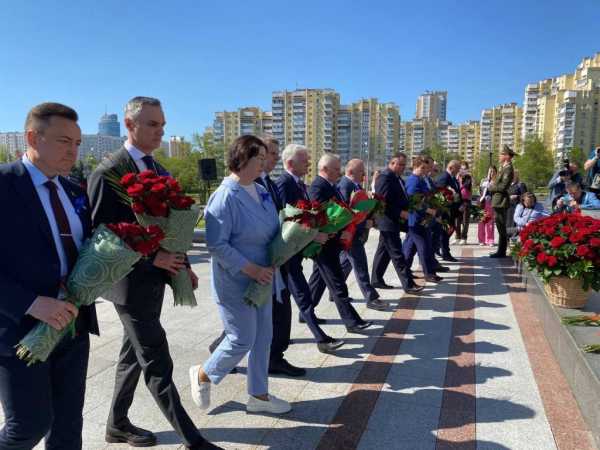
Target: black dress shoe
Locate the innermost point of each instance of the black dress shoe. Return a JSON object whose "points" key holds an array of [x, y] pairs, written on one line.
{"points": [[442, 269], [330, 346], [497, 255], [282, 367], [377, 305], [449, 258], [130, 434], [382, 285], [359, 327], [319, 321], [433, 278], [414, 289]]}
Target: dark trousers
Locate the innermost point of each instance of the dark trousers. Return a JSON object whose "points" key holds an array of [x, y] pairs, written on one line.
{"points": [[327, 270], [354, 259], [298, 287], [145, 348], [45, 399], [390, 249], [502, 233], [462, 225], [419, 242]]}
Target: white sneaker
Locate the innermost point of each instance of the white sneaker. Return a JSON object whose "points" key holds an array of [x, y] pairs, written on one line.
{"points": [[200, 390], [464, 242], [456, 242], [274, 405], [482, 244]]}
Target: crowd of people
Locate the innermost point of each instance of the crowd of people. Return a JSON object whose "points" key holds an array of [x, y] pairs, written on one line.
{"points": [[46, 399]]}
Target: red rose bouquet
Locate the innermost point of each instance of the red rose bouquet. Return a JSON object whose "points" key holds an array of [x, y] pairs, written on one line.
{"points": [[158, 200], [364, 206], [299, 226], [103, 260], [339, 216], [565, 244]]}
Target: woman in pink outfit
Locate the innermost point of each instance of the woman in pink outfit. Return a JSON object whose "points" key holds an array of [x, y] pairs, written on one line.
{"points": [[485, 231]]}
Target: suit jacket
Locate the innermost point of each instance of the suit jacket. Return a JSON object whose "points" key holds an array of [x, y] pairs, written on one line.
{"points": [[146, 280], [499, 189], [447, 180], [347, 187], [289, 191], [30, 265], [273, 190], [396, 201], [416, 185], [322, 191]]}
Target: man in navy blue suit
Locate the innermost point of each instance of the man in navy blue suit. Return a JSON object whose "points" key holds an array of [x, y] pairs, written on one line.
{"points": [[327, 268], [391, 187], [46, 220], [291, 188], [356, 257], [448, 180]]}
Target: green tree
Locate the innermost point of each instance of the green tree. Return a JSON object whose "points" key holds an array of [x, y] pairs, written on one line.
{"points": [[535, 165], [578, 156], [5, 155]]}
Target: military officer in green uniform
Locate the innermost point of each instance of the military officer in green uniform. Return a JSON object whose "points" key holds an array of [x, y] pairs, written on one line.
{"points": [[500, 198]]}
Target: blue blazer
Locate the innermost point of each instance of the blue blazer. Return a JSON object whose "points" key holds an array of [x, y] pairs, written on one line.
{"points": [[231, 242], [416, 185], [30, 265], [289, 191], [396, 201]]}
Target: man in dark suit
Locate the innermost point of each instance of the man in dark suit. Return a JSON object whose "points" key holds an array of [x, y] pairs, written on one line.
{"points": [[391, 187], [327, 268], [448, 180], [282, 308], [139, 299], [356, 257], [47, 219], [291, 189], [500, 198]]}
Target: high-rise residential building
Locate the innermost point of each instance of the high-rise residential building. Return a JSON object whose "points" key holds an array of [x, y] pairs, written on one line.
{"points": [[564, 111], [228, 125], [418, 135], [109, 125], [468, 140], [307, 117], [432, 105], [98, 145], [499, 126], [14, 142], [373, 129]]}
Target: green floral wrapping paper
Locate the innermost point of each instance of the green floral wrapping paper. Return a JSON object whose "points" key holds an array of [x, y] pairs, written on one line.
{"points": [[179, 237], [103, 260], [338, 218], [291, 239]]}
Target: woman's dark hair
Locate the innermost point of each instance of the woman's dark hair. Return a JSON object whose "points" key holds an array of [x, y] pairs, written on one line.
{"points": [[527, 195], [242, 150], [467, 181]]}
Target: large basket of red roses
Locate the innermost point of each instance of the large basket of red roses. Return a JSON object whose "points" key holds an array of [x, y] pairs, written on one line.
{"points": [[564, 250]]}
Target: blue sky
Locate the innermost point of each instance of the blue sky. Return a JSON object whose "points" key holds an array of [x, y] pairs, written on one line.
{"points": [[199, 57]]}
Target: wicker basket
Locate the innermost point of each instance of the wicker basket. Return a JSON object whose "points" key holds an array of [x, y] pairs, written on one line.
{"points": [[566, 292]]}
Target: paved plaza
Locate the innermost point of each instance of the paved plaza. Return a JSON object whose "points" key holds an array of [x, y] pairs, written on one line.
{"points": [[463, 365]]}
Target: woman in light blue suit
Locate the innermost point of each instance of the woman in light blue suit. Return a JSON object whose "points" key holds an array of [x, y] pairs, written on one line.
{"points": [[241, 221]]}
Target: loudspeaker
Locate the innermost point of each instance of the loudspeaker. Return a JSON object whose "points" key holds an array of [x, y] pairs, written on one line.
{"points": [[207, 169]]}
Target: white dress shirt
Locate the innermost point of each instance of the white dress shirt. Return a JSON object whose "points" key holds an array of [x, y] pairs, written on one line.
{"points": [[38, 179], [137, 156]]}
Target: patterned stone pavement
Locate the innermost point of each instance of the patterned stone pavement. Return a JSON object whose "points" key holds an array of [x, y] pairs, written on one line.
{"points": [[464, 365]]}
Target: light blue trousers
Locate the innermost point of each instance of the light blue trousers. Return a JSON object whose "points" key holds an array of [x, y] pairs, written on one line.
{"points": [[248, 330]]}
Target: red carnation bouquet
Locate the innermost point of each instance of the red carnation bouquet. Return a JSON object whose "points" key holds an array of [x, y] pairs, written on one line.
{"points": [[339, 216], [299, 226], [158, 200], [365, 206], [104, 260], [565, 244]]}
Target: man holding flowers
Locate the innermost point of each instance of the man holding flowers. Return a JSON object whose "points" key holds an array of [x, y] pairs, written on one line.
{"points": [[139, 300], [49, 220]]}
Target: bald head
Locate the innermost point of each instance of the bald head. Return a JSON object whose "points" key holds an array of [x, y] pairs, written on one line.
{"points": [[330, 167], [355, 170]]}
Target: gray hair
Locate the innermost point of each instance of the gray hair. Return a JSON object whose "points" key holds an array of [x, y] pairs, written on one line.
{"points": [[291, 150], [134, 106], [326, 159]]}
